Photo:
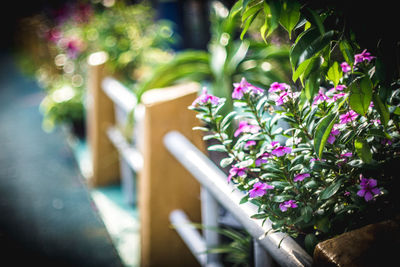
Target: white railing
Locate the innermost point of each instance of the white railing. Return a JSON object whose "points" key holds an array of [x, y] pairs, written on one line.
{"points": [[131, 161], [277, 246]]}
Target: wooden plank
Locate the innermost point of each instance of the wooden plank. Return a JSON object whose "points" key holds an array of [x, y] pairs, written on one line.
{"points": [[100, 116], [164, 185]]}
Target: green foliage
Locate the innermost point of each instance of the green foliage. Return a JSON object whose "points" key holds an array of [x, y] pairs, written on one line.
{"points": [[311, 142]]}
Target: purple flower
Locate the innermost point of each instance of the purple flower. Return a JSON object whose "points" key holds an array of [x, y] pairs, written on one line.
{"points": [[206, 98], [244, 87], [281, 150], [244, 127], [345, 67], [348, 117], [288, 204], [301, 177], [340, 87], [332, 136], [321, 97], [259, 189], [347, 193], [236, 171], [358, 58], [346, 155], [277, 87], [262, 159], [368, 188], [386, 142]]}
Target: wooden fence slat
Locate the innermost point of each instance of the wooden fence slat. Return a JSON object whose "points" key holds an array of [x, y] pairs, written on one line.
{"points": [[100, 116], [165, 185]]}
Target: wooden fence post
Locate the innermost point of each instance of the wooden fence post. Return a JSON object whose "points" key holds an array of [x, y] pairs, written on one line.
{"points": [[165, 185], [100, 116]]}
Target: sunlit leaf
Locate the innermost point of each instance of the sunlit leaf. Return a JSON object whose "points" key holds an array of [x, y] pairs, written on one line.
{"points": [[363, 150], [290, 15], [382, 109], [334, 73], [361, 95], [322, 132]]}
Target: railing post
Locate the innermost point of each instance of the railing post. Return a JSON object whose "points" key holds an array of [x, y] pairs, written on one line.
{"points": [[210, 215], [165, 185], [100, 116]]}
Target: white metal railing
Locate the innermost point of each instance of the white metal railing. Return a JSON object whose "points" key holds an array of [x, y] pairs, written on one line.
{"points": [[282, 248], [131, 160]]}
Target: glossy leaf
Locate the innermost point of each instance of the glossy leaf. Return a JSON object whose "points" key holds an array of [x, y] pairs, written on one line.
{"points": [[382, 109], [347, 51], [316, 46], [322, 132], [361, 95], [310, 242], [290, 15], [363, 150], [330, 190], [306, 213], [334, 73], [301, 44], [314, 19]]}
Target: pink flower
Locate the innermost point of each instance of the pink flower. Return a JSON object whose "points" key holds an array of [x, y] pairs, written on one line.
{"points": [[244, 87], [332, 136], [244, 127], [346, 155], [340, 87], [348, 117], [321, 97], [301, 177], [259, 189], [250, 143], [206, 98], [262, 159], [316, 159], [53, 35], [368, 188], [288, 204], [358, 58], [277, 87], [73, 48], [236, 171], [345, 67], [281, 151]]}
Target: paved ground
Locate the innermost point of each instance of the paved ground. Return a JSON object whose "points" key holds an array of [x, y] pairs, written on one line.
{"points": [[46, 213]]}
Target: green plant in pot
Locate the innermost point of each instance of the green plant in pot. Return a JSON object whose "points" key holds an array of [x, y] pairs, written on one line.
{"points": [[333, 167]]}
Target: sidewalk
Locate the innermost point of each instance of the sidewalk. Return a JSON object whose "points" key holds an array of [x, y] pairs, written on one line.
{"points": [[46, 213]]}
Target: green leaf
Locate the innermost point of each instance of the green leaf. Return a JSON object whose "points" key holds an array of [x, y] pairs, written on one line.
{"points": [[290, 15], [323, 224], [330, 190], [314, 19], [381, 108], [306, 213], [281, 198], [363, 150], [310, 242], [225, 162], [301, 44], [227, 120], [312, 86], [347, 51], [322, 132], [316, 46], [334, 73], [259, 216], [361, 95], [219, 148], [244, 199]]}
